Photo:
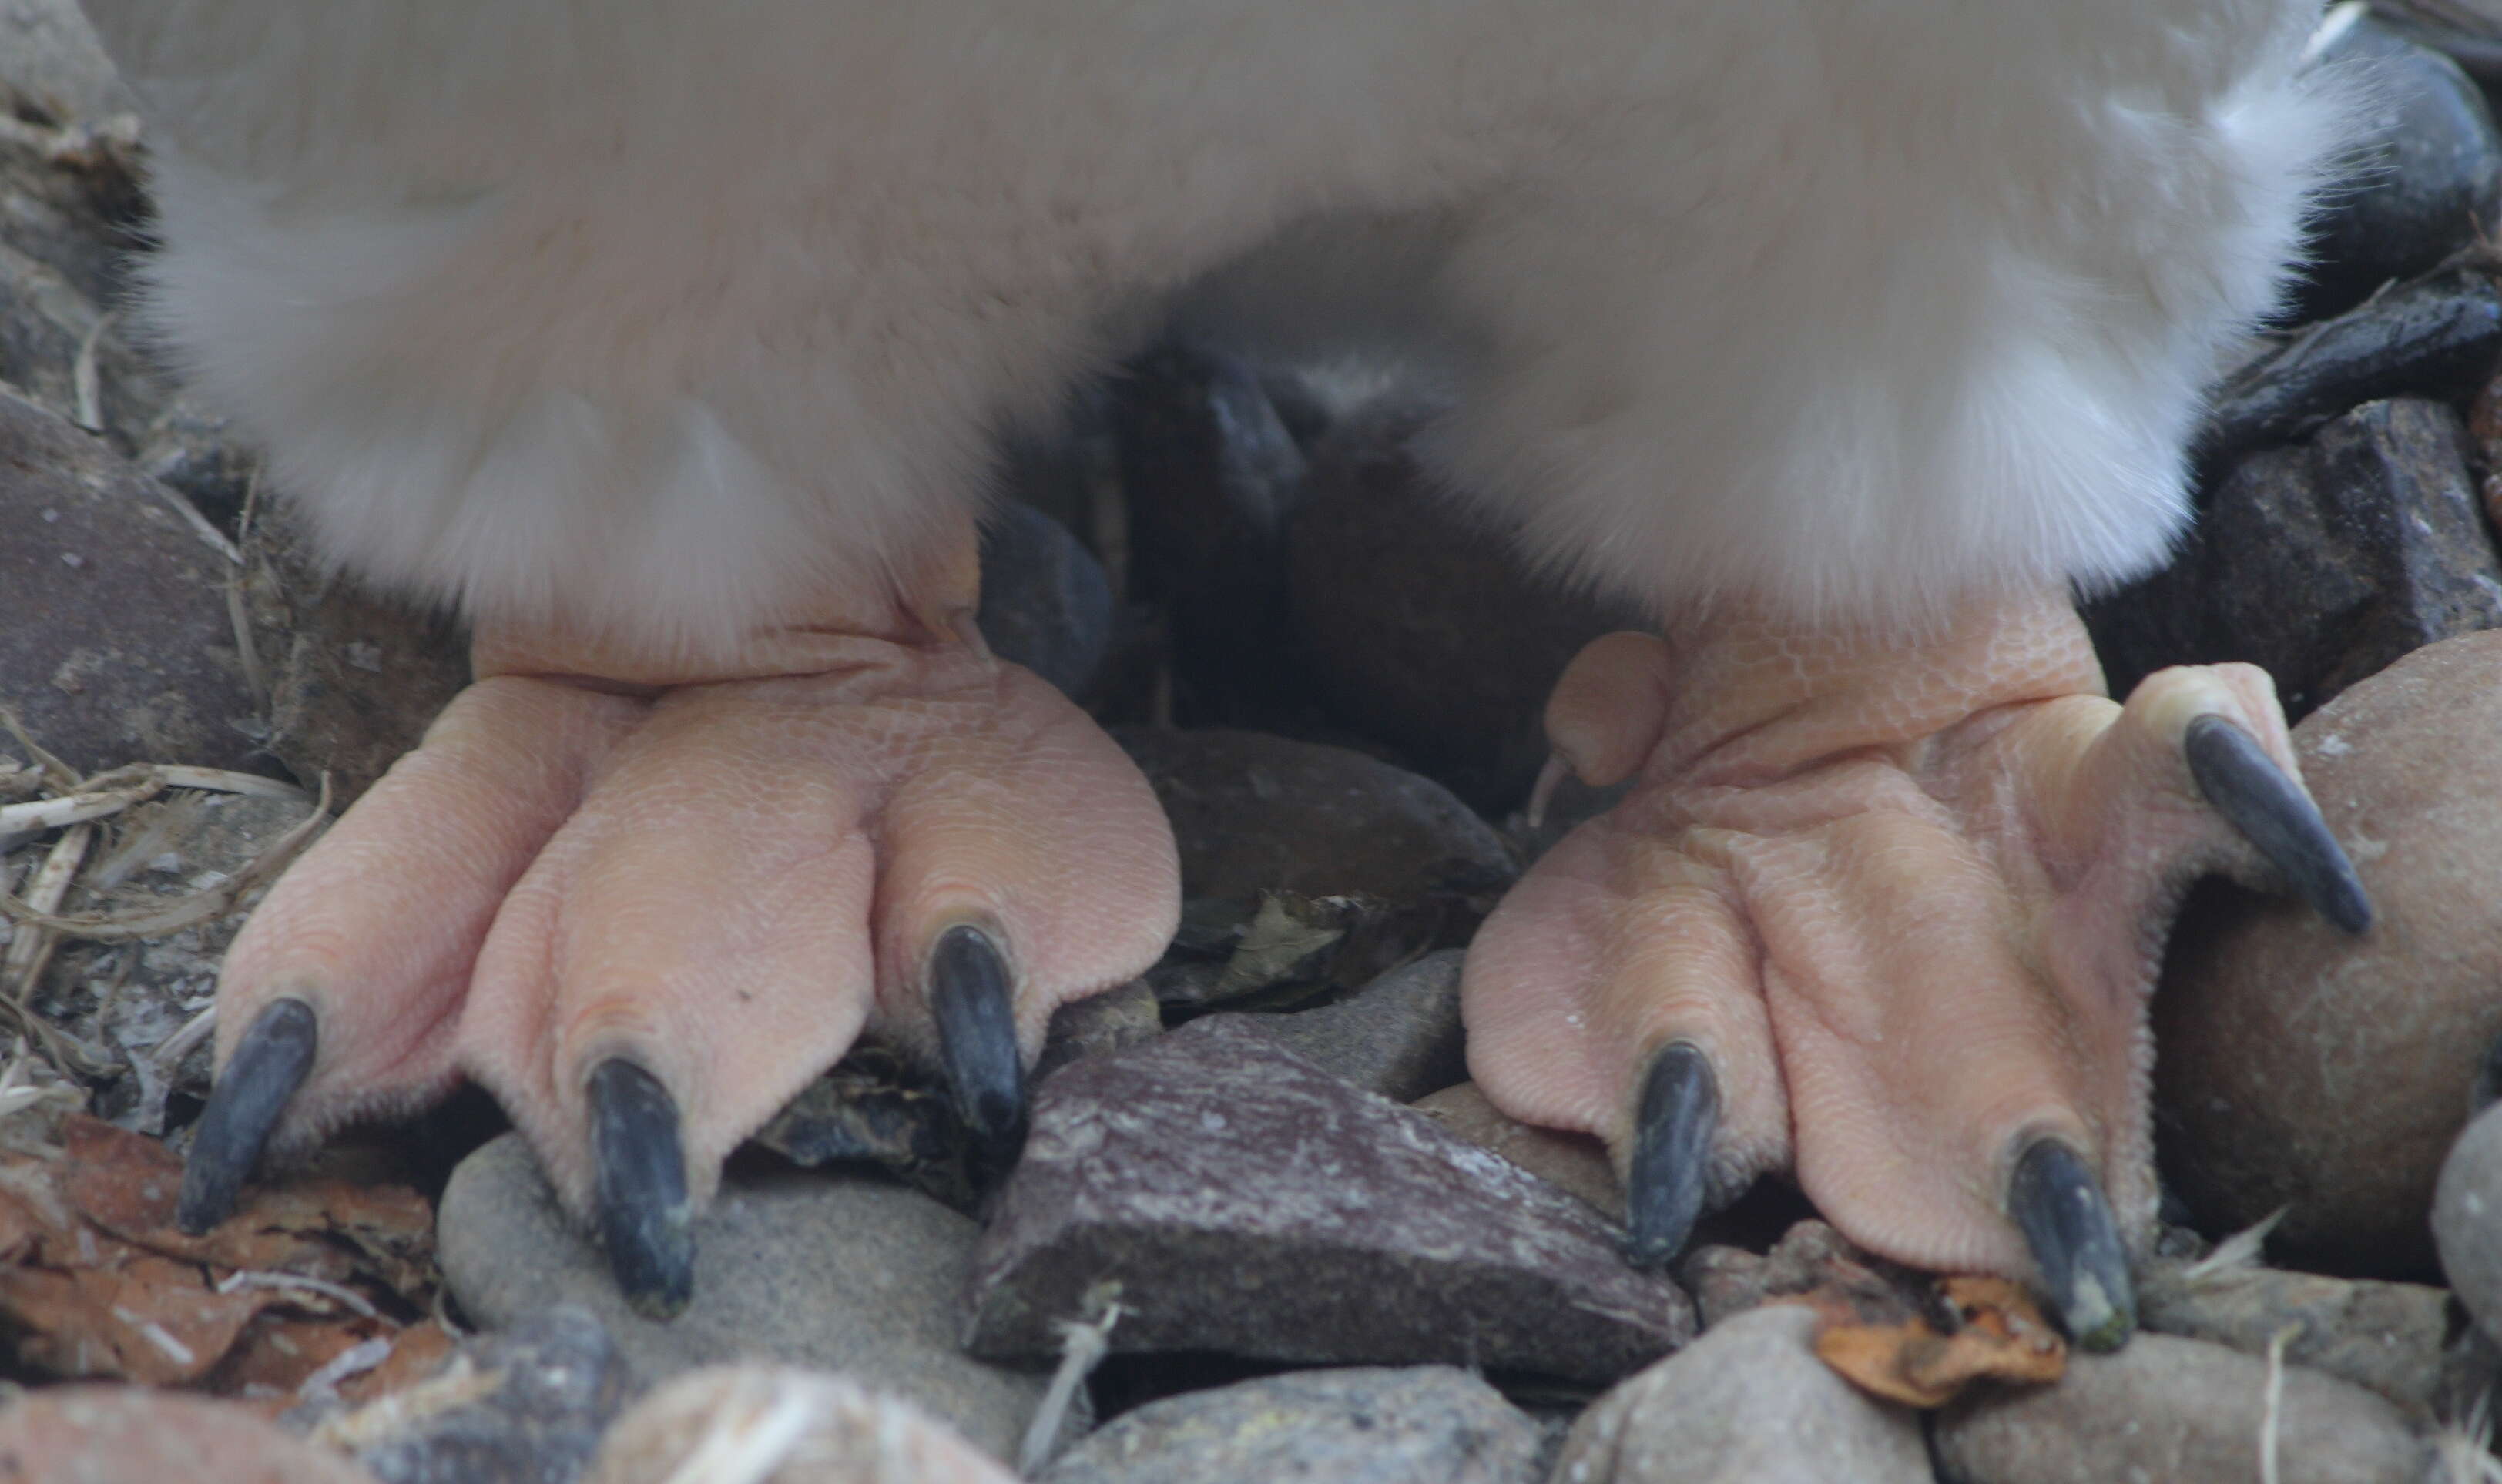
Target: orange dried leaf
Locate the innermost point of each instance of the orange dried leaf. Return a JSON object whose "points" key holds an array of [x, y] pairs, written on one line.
{"points": [[2000, 1336]]}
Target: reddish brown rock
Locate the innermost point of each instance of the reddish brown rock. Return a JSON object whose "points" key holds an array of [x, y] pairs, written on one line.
{"points": [[1232, 1196]]}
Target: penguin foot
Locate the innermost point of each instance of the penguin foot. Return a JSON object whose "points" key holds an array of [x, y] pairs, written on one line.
{"points": [[1883, 909]]}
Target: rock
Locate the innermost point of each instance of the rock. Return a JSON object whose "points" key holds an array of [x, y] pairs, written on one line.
{"points": [[2432, 338], [1727, 1281], [114, 640], [49, 60], [1211, 473], [1241, 1199], [768, 1424], [129, 1434], [1419, 622], [1099, 1025], [1045, 604], [1570, 1161], [2166, 1409], [2304, 1068], [2390, 1338], [1398, 1036], [354, 678], [2323, 564], [831, 1273], [2467, 1220], [1422, 1425], [519, 1407], [2422, 172], [1253, 812], [1749, 1402]]}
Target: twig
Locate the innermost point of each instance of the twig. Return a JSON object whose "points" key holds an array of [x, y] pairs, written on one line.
{"points": [[29, 951], [1082, 1347], [86, 383], [185, 912], [2272, 1415], [74, 808], [243, 1278]]}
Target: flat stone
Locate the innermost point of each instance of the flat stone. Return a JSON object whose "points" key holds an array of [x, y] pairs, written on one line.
{"points": [[1099, 1025], [787, 1426], [1234, 1196], [1045, 602], [125, 1435], [2322, 563], [1420, 622], [1747, 1403], [1570, 1161], [516, 1407], [2420, 170], [1398, 1036], [354, 677], [2167, 1408], [819, 1272], [2390, 1338], [1253, 812], [116, 645], [1418, 1424], [2305, 1068]]}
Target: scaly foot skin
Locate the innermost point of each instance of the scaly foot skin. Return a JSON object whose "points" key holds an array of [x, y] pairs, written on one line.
{"points": [[645, 901], [1884, 910]]}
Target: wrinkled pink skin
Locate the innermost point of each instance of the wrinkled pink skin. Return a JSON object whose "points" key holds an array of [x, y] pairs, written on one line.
{"points": [[1906, 890]]}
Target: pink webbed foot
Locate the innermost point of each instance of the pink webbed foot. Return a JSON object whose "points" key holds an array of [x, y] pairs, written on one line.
{"points": [[645, 901], [1884, 910]]}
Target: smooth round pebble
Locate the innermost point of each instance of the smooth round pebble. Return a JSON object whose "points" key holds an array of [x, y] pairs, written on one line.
{"points": [[2467, 1219], [2303, 1069], [2162, 1408], [1369, 1425], [777, 1425], [1747, 1403]]}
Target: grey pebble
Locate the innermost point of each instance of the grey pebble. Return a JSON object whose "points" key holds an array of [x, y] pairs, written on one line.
{"points": [[2467, 1219], [1234, 1196], [2391, 1337], [1399, 1036], [2329, 1074], [833, 1274], [1747, 1403], [524, 1407], [1045, 602], [2163, 1408], [116, 645], [1417, 1424], [1253, 812], [2420, 175]]}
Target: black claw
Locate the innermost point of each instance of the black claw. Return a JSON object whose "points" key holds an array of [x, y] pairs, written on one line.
{"points": [[972, 1001], [269, 1064], [2254, 795], [645, 1219], [1673, 1132], [2068, 1223]]}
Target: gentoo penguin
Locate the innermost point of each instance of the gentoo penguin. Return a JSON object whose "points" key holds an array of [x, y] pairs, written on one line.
{"points": [[669, 341]]}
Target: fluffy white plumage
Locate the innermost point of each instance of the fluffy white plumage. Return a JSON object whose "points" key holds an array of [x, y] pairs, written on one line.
{"points": [[656, 315]]}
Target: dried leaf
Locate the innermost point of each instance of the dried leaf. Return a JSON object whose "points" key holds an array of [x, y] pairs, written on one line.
{"points": [[1980, 1328], [99, 1282]]}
